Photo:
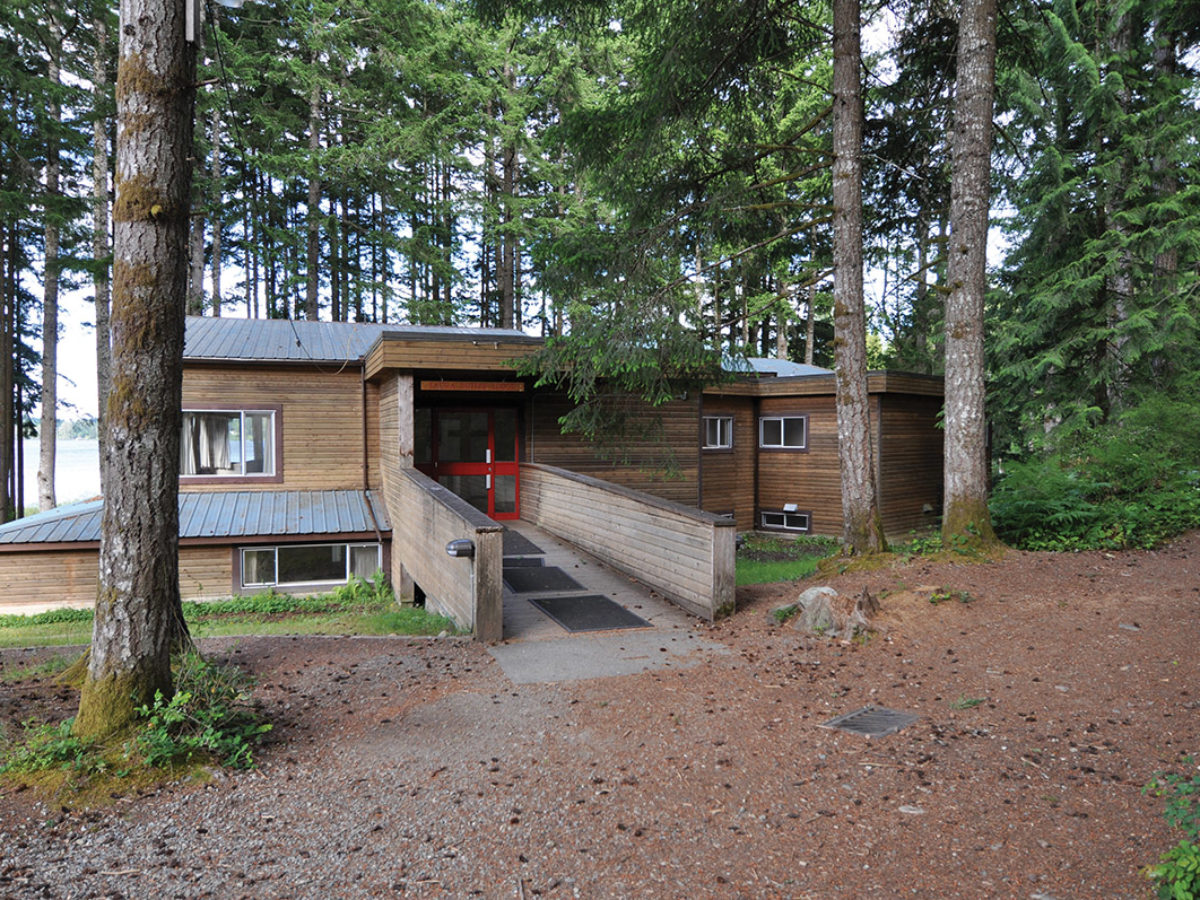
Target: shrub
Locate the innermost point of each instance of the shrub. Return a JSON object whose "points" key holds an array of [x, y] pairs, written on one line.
{"points": [[1178, 870], [1131, 483], [210, 714]]}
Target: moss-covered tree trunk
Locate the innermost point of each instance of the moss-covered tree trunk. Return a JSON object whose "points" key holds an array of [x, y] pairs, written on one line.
{"points": [[100, 218], [966, 514], [862, 530], [137, 604]]}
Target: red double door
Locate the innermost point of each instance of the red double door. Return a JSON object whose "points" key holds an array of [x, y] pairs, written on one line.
{"points": [[474, 453]]}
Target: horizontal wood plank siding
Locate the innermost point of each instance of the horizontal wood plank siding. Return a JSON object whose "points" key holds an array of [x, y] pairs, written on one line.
{"points": [[40, 580], [685, 554], [812, 479], [446, 355], [910, 463], [206, 573], [35, 581], [644, 471], [322, 419], [728, 475]]}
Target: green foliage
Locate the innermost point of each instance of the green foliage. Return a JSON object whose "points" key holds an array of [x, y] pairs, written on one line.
{"points": [[784, 613], [210, 718], [362, 607], [1178, 870], [51, 747], [965, 702], [210, 715], [1131, 483], [945, 596], [49, 617]]}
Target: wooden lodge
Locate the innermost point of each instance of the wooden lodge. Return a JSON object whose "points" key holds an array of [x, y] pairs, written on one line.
{"points": [[314, 452]]}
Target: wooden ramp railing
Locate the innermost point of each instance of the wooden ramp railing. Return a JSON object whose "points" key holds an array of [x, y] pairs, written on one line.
{"points": [[685, 554]]}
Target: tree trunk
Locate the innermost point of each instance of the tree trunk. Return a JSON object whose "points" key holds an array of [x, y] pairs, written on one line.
{"points": [[138, 612], [810, 327], [199, 224], [862, 530], [217, 196], [313, 254], [966, 515], [48, 429], [100, 248], [508, 191], [8, 411]]}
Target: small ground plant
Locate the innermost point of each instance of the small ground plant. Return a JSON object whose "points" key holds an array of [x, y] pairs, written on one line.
{"points": [[1177, 873], [209, 720]]}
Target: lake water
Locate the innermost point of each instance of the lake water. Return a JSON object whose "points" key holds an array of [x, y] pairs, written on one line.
{"points": [[76, 471]]}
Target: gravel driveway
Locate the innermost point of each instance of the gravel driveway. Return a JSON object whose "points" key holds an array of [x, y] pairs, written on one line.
{"points": [[403, 767]]}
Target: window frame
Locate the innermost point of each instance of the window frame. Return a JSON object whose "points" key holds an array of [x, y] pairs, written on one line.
{"points": [[782, 418], [240, 552], [784, 517], [276, 412], [719, 418]]}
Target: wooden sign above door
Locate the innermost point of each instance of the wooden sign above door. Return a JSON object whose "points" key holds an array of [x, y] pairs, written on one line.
{"points": [[501, 387]]}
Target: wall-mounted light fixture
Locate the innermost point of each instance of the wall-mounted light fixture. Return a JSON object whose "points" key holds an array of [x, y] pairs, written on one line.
{"points": [[462, 548]]}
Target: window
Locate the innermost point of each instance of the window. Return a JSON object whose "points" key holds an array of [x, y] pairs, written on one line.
{"points": [[718, 432], [784, 432], [232, 443], [308, 564], [788, 521]]}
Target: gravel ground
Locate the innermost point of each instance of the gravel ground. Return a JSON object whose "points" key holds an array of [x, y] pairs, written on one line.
{"points": [[403, 767]]}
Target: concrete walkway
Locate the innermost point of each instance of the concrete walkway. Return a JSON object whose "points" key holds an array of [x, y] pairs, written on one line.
{"points": [[537, 649]]}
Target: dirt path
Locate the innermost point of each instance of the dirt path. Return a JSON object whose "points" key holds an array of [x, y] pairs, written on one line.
{"points": [[402, 767]]}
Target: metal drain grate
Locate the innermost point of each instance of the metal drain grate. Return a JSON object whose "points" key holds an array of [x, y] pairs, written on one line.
{"points": [[872, 721]]}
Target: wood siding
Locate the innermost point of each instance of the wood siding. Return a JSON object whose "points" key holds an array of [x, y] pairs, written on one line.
{"points": [[39, 580], [727, 476], [810, 479], [910, 463], [546, 444], [460, 355], [322, 416], [33, 582], [206, 573]]}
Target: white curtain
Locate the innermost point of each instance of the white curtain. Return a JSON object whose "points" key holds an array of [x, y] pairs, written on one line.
{"points": [[188, 449], [214, 441]]}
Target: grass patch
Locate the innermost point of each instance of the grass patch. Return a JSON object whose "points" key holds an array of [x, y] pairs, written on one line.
{"points": [[763, 559], [360, 607], [45, 668]]}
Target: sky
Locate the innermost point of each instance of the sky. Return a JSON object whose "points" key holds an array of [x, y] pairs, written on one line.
{"points": [[77, 357]]}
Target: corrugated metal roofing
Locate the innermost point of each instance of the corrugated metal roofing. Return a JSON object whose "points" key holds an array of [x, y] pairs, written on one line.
{"points": [[301, 341], [219, 514]]}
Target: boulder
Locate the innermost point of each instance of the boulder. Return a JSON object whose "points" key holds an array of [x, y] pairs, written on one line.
{"points": [[824, 611]]}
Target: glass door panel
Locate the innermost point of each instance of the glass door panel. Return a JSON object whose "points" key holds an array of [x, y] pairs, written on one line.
{"points": [[472, 488], [473, 453], [505, 437], [462, 437]]}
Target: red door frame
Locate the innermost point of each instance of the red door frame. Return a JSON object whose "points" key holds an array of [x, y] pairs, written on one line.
{"points": [[490, 468]]}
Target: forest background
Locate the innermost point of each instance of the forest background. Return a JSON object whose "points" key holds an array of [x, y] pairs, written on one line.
{"points": [[607, 175]]}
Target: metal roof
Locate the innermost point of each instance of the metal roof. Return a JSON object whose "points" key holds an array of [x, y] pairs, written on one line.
{"points": [[219, 514], [784, 368], [302, 341]]}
